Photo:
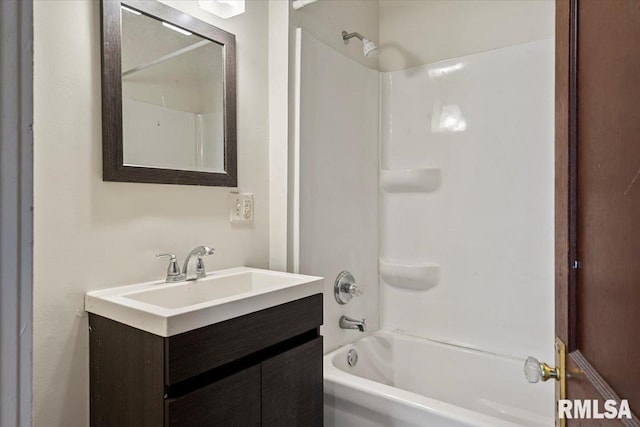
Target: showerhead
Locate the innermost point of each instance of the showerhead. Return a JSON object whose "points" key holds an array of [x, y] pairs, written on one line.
{"points": [[369, 48]]}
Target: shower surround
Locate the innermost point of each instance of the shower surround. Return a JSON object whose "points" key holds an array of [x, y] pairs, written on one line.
{"points": [[464, 194], [461, 198], [336, 180], [466, 227]]}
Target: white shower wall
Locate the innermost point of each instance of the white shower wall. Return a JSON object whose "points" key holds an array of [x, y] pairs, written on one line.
{"points": [[475, 220], [158, 136], [165, 137], [336, 184]]}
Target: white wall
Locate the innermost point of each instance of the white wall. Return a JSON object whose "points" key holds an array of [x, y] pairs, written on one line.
{"points": [[326, 19], [278, 133], [351, 110], [338, 180], [91, 234], [210, 142], [158, 136], [420, 32], [486, 121]]}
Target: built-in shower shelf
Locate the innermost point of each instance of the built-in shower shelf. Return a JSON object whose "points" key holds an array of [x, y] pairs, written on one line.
{"points": [[417, 277], [410, 180]]}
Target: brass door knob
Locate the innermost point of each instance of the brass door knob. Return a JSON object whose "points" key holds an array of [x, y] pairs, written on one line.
{"points": [[535, 371]]}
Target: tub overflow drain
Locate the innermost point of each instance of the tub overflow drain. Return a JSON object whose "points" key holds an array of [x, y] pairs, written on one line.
{"points": [[352, 358]]}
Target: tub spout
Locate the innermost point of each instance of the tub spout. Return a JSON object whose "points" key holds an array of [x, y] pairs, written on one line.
{"points": [[347, 322]]}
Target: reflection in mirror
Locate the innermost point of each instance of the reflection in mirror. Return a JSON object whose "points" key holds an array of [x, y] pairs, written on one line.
{"points": [[172, 96]]}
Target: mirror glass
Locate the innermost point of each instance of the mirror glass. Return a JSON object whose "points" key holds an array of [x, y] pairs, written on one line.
{"points": [[172, 96]]}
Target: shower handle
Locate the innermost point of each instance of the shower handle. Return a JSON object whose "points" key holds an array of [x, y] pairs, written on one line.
{"points": [[345, 288]]}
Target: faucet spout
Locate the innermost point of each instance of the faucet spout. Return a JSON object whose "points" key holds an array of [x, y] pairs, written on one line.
{"points": [[193, 265], [347, 322]]}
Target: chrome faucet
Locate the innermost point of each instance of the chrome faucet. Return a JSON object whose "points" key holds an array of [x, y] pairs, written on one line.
{"points": [[347, 322], [194, 266]]}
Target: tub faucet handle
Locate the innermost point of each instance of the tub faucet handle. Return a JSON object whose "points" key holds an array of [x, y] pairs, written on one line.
{"points": [[355, 290], [345, 288]]}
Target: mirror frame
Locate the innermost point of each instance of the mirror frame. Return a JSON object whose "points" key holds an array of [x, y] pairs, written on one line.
{"points": [[113, 167]]}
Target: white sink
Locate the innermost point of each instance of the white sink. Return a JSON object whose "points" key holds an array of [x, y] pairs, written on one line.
{"points": [[168, 309]]}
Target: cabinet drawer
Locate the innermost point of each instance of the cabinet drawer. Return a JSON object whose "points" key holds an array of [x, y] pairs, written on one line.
{"points": [[231, 402], [200, 350]]}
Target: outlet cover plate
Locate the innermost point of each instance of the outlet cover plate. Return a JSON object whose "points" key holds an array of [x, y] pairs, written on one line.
{"points": [[240, 207]]}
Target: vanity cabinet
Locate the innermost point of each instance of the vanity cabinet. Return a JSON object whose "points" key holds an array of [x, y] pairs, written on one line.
{"points": [[261, 369]]}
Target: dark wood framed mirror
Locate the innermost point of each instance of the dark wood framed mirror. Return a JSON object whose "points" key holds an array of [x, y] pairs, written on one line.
{"points": [[168, 96]]}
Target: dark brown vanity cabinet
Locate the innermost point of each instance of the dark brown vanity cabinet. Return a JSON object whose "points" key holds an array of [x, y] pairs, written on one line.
{"points": [[261, 369]]}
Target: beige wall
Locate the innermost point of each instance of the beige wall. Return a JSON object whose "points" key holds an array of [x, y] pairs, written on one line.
{"points": [[326, 19], [91, 234], [420, 32], [278, 132]]}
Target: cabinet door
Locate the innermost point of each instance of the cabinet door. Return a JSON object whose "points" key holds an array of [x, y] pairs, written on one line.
{"points": [[292, 387], [231, 402]]}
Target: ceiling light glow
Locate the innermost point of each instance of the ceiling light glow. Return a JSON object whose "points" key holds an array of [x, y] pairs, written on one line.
{"points": [[128, 9], [177, 29], [223, 8]]}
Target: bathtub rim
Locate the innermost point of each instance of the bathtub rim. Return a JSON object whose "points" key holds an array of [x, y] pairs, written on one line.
{"points": [[340, 382]]}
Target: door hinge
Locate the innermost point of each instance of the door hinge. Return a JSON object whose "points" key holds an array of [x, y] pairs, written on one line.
{"points": [[575, 264]]}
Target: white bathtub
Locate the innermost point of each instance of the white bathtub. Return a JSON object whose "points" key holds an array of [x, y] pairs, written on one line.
{"points": [[400, 381]]}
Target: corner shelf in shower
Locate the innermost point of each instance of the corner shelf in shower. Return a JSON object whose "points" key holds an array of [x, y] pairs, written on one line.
{"points": [[410, 180], [417, 277]]}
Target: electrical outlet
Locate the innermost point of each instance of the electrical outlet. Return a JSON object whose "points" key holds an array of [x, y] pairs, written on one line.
{"points": [[240, 207]]}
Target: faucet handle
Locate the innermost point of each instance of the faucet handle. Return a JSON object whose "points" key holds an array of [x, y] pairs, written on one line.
{"points": [[200, 272], [173, 271], [345, 287]]}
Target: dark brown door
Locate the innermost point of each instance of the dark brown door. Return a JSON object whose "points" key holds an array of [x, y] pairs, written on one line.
{"points": [[231, 402], [292, 387], [598, 199]]}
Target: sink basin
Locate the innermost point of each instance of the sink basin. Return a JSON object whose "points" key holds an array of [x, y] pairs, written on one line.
{"points": [[168, 309], [213, 287]]}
